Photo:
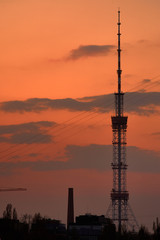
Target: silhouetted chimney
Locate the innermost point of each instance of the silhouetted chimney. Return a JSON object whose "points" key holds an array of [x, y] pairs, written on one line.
{"points": [[70, 213]]}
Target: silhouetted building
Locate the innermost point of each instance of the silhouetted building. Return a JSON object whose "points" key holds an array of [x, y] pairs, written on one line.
{"points": [[48, 229], [90, 227], [70, 212]]}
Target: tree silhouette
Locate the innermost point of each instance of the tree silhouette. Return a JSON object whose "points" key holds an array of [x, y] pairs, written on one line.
{"points": [[15, 216], [26, 218], [144, 234], [37, 217], [8, 212]]}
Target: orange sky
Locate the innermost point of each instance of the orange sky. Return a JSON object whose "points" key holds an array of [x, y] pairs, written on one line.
{"points": [[35, 32], [38, 43]]}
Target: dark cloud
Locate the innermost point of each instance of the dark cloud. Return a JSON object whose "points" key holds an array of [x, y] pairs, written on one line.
{"points": [[146, 80], [143, 41], [155, 134], [33, 154], [84, 51], [28, 133], [128, 75], [142, 103], [137, 102], [29, 105], [97, 157], [29, 138], [27, 127], [41, 104]]}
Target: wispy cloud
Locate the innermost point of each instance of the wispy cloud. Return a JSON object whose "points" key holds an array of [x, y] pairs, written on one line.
{"points": [[85, 51], [147, 80], [26, 133], [155, 135], [143, 103], [41, 104], [97, 157]]}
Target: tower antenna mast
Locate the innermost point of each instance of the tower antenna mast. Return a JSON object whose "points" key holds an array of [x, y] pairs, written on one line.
{"points": [[119, 210]]}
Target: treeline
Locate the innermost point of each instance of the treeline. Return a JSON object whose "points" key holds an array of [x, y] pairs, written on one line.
{"points": [[37, 227], [11, 214], [29, 227]]}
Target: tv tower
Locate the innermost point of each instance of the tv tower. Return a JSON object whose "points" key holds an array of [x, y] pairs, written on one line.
{"points": [[119, 210]]}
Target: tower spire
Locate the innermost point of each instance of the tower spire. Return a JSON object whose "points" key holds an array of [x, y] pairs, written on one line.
{"points": [[119, 71], [119, 210]]}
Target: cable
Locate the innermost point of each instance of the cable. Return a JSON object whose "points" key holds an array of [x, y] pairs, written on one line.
{"points": [[74, 118], [62, 127]]}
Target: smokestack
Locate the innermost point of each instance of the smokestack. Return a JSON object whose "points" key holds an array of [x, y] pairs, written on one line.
{"points": [[70, 213]]}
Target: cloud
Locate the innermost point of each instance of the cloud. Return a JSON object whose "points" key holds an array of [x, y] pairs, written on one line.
{"points": [[29, 105], [26, 133], [41, 104], [155, 134], [84, 51], [33, 154], [143, 41], [97, 157], [148, 43], [31, 126], [146, 80], [142, 103], [29, 138]]}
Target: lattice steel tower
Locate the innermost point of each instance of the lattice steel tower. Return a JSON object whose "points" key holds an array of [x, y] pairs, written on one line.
{"points": [[119, 210]]}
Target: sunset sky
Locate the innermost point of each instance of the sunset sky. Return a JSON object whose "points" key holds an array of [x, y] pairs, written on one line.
{"points": [[58, 62]]}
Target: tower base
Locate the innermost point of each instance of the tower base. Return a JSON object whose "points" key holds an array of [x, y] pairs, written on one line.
{"points": [[128, 220]]}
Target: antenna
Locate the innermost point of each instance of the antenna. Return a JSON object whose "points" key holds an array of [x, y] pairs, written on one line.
{"points": [[119, 71]]}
